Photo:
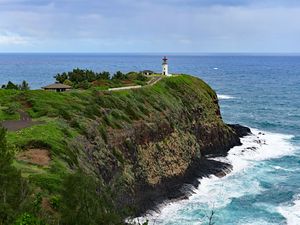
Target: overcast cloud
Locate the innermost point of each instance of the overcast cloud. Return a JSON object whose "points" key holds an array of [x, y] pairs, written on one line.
{"points": [[150, 26]]}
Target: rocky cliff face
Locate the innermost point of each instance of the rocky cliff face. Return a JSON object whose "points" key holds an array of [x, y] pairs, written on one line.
{"points": [[158, 155]]}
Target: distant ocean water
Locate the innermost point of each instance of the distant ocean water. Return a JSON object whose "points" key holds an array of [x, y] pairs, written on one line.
{"points": [[262, 92]]}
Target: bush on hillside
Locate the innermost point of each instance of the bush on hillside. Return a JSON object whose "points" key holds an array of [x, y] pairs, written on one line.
{"points": [[12, 108], [14, 189], [24, 86], [77, 76], [119, 76]]}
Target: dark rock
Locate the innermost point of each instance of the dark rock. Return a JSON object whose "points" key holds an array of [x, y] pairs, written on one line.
{"points": [[181, 187], [240, 130]]}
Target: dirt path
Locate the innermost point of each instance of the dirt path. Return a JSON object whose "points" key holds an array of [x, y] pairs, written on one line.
{"points": [[15, 125], [154, 81], [151, 82]]}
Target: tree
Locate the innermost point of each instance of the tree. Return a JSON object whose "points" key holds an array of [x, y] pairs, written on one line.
{"points": [[12, 108], [13, 188], [61, 77], [103, 76], [24, 86], [68, 82], [83, 85], [85, 202], [141, 77], [28, 219], [10, 85], [119, 76]]}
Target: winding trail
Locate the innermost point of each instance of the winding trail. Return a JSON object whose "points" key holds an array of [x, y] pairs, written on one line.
{"points": [[151, 82], [15, 125]]}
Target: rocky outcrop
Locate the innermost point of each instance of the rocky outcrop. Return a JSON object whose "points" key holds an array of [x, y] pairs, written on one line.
{"points": [[240, 130], [162, 155]]}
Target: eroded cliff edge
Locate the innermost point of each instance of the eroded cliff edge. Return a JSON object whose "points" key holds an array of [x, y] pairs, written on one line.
{"points": [[153, 142], [128, 150]]}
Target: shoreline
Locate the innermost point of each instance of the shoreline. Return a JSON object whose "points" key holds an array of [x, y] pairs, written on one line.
{"points": [[180, 188], [258, 146]]}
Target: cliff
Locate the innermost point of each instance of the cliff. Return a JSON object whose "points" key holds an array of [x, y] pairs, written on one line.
{"points": [[147, 144]]}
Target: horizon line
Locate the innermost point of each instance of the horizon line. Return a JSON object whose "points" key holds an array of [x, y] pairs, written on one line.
{"points": [[167, 53]]}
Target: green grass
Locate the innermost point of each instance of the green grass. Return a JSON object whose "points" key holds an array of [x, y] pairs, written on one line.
{"points": [[67, 115], [7, 98], [51, 135], [28, 169], [4, 116], [78, 125]]}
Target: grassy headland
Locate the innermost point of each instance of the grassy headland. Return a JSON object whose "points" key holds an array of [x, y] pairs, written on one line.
{"points": [[106, 147]]}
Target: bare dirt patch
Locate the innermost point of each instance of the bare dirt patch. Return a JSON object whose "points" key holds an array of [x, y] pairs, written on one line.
{"points": [[46, 205], [39, 157]]}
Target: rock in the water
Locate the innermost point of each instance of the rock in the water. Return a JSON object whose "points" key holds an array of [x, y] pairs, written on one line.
{"points": [[240, 130]]}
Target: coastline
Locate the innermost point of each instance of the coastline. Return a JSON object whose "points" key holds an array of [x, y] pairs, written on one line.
{"points": [[182, 187], [256, 147]]}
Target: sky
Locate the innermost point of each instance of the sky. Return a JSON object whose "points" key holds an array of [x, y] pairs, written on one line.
{"points": [[190, 26]]}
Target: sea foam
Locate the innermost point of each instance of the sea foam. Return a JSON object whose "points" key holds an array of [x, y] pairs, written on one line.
{"points": [[215, 192], [291, 212], [225, 97]]}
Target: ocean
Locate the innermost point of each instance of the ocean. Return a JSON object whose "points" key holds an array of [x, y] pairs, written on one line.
{"points": [[262, 92]]}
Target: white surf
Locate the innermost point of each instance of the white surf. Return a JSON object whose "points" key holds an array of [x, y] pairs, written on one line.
{"points": [[225, 97], [214, 192]]}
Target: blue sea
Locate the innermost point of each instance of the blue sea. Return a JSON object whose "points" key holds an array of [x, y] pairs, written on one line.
{"points": [[262, 92]]}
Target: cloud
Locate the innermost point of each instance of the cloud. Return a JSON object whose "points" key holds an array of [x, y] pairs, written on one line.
{"points": [[7, 38], [151, 25]]}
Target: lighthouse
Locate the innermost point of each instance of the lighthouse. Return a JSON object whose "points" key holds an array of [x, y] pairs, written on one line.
{"points": [[165, 67]]}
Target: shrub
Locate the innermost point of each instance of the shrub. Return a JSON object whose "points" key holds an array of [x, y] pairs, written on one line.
{"points": [[11, 86], [28, 219], [84, 85], [88, 202], [12, 109], [141, 77], [55, 202], [68, 82], [37, 203], [103, 132], [14, 189], [119, 76], [24, 86], [103, 76]]}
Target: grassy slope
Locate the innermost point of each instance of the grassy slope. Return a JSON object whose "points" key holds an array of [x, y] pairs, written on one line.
{"points": [[67, 115]]}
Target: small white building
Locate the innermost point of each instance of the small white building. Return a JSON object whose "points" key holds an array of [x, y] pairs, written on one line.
{"points": [[165, 67]]}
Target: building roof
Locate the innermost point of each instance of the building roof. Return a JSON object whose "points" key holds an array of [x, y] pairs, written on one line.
{"points": [[57, 86]]}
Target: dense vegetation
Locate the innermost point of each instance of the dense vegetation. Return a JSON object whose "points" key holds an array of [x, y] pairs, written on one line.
{"points": [[79, 78], [11, 86], [92, 170], [22, 203]]}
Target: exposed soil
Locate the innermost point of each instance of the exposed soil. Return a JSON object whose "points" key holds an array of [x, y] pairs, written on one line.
{"points": [[47, 206], [39, 157]]}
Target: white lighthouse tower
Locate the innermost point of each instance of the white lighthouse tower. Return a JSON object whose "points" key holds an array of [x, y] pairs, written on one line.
{"points": [[165, 67]]}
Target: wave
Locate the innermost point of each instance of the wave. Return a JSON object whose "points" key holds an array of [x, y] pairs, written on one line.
{"points": [[225, 97], [259, 146], [291, 212], [214, 192]]}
